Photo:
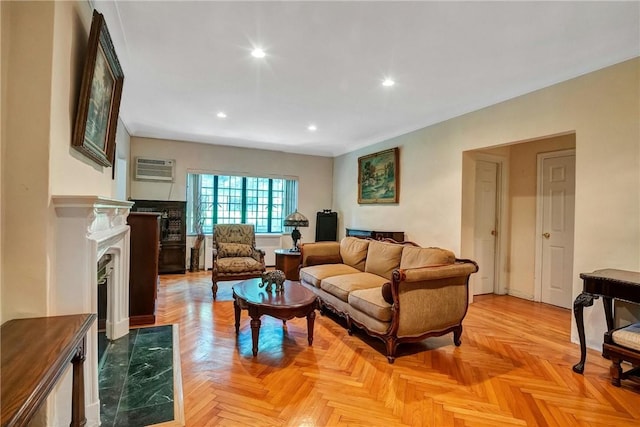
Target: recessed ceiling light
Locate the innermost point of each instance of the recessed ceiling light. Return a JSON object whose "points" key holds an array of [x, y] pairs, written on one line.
{"points": [[258, 53], [388, 82], [222, 115], [312, 128]]}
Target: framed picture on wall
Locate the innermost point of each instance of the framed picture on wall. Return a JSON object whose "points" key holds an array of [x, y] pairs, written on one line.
{"points": [[94, 133], [378, 177]]}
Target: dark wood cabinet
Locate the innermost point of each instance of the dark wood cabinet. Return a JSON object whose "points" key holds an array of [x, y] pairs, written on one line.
{"points": [[398, 236], [143, 266], [173, 232]]}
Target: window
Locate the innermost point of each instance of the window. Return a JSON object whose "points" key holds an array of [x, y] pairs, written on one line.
{"points": [[228, 199]]}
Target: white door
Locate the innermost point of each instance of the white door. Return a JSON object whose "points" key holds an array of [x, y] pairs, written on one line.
{"points": [[558, 207], [485, 227]]}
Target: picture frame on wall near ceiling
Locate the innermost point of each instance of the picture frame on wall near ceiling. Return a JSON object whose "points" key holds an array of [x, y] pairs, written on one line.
{"points": [[94, 133], [379, 177]]}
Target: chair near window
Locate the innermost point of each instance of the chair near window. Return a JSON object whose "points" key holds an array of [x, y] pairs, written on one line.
{"points": [[235, 256]]}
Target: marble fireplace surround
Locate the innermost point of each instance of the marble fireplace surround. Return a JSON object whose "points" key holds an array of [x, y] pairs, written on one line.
{"points": [[88, 227]]}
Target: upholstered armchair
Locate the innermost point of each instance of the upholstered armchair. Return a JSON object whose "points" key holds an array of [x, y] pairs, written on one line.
{"points": [[235, 256]]}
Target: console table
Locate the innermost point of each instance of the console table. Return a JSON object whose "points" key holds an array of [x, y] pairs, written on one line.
{"points": [[609, 284], [398, 236], [35, 354]]}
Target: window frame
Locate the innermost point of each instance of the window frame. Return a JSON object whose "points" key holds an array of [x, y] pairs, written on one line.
{"points": [[289, 202]]}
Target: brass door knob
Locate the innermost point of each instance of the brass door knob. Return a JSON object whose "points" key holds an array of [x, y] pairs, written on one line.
{"points": [[494, 233], [546, 235]]}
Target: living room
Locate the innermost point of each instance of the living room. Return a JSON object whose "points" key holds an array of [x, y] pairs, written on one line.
{"points": [[597, 111]]}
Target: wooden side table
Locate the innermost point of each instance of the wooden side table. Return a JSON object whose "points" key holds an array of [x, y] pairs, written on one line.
{"points": [[35, 354], [288, 262]]}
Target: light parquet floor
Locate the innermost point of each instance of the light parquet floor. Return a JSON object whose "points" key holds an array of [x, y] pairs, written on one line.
{"points": [[512, 369]]}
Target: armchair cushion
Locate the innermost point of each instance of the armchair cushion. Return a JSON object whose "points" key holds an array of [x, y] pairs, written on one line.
{"points": [[226, 250], [246, 265], [628, 337]]}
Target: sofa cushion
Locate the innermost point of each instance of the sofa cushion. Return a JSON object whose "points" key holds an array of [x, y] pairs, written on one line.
{"points": [[314, 274], [371, 302], [354, 252], [341, 286], [414, 257], [234, 250], [383, 258], [246, 265]]}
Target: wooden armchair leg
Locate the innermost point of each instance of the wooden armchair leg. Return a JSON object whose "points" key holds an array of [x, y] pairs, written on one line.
{"points": [[214, 289], [616, 371]]}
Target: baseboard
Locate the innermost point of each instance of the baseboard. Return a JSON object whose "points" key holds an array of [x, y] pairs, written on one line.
{"points": [[145, 319], [119, 329]]}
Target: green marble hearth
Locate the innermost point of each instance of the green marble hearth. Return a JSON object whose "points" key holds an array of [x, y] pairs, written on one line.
{"points": [[136, 378]]}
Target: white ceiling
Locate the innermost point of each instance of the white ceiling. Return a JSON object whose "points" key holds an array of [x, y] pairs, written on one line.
{"points": [[185, 61]]}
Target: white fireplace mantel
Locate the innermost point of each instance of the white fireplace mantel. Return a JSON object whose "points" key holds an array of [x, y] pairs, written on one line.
{"points": [[88, 227]]}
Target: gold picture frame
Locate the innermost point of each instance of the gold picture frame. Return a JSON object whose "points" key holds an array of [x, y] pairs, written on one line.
{"points": [[94, 134], [379, 177]]}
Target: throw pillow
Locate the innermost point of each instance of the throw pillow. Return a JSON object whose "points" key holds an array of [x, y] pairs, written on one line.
{"points": [[354, 252], [226, 250], [413, 257], [383, 258]]}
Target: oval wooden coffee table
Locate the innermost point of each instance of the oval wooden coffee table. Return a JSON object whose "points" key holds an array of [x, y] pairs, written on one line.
{"points": [[295, 301]]}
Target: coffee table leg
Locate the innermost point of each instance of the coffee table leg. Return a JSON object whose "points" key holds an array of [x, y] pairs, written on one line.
{"points": [[255, 333], [311, 317], [236, 309]]}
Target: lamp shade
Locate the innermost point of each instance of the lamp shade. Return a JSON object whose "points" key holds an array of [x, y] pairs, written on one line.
{"points": [[296, 219]]}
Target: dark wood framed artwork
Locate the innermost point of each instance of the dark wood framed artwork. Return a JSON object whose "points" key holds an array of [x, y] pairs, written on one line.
{"points": [[94, 133], [379, 177]]}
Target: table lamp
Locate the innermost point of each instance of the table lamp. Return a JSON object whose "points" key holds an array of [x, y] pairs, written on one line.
{"points": [[296, 220]]}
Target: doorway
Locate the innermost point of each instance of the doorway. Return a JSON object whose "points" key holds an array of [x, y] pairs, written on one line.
{"points": [[486, 225], [517, 237], [554, 227]]}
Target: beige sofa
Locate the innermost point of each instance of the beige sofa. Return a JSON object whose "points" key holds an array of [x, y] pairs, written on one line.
{"points": [[396, 292]]}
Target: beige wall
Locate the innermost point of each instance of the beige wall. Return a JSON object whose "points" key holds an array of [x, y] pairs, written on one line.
{"points": [[314, 173], [26, 158], [72, 24], [601, 108]]}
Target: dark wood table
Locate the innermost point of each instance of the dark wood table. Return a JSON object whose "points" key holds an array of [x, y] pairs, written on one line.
{"points": [[288, 262], [295, 301], [609, 284], [35, 354]]}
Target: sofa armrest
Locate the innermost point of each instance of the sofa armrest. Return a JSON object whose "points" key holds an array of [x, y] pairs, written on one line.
{"points": [[459, 268], [320, 253], [430, 298]]}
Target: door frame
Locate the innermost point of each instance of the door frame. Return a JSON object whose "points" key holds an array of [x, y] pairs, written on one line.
{"points": [[537, 291], [502, 206]]}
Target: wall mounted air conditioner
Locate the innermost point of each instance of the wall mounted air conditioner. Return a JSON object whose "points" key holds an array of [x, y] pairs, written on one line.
{"points": [[154, 169]]}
